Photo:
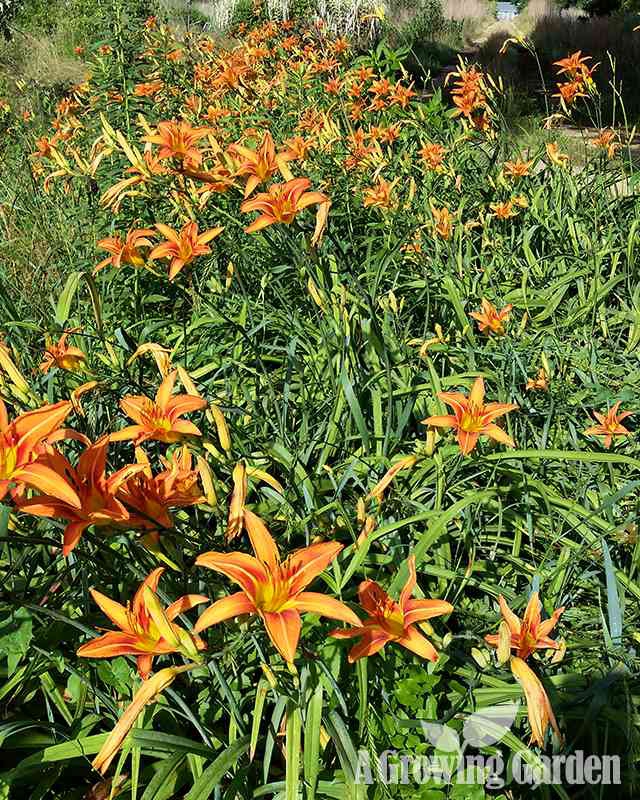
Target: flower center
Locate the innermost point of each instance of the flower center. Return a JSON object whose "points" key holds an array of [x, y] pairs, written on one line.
{"points": [[8, 461], [471, 421]]}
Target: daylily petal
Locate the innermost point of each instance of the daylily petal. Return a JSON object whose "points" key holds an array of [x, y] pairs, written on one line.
{"points": [[234, 605], [418, 644], [324, 606], [283, 628]]}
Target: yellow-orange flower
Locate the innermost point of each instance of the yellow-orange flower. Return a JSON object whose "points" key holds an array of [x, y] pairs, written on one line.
{"points": [[606, 141], [379, 196], [503, 210], [609, 425], [127, 251], [98, 503], [517, 169], [146, 629], [178, 140], [258, 165], [471, 418], [151, 496], [160, 418], [183, 246], [281, 203], [555, 156], [529, 633], [574, 65], [540, 382], [63, 355], [23, 447], [442, 222], [389, 620], [433, 155], [490, 319], [274, 589]]}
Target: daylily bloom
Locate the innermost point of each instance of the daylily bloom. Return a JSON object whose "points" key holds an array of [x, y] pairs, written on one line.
{"points": [[540, 382], [127, 251], [146, 629], [555, 156], [258, 165], [503, 210], [92, 495], [146, 694], [22, 448], [569, 92], [471, 418], [281, 203], [272, 588], [574, 65], [433, 155], [389, 620], [160, 418], [609, 425], [539, 708], [517, 168], [63, 355], [178, 140], [529, 633], [490, 319], [442, 222], [606, 141], [380, 194], [152, 495], [183, 246]]}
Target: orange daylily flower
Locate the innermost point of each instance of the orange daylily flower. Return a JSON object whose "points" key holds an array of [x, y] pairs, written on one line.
{"points": [[259, 165], [433, 155], [517, 168], [606, 141], [574, 65], [281, 203], [503, 210], [63, 355], [555, 156], [127, 251], [539, 708], [183, 246], [97, 504], [23, 447], [471, 418], [540, 382], [529, 633], [379, 196], [151, 496], [442, 222], [490, 319], [609, 425], [569, 92], [146, 629], [178, 140], [389, 620], [160, 418], [272, 588]]}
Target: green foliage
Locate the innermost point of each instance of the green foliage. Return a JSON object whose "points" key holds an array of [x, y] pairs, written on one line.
{"points": [[324, 361]]}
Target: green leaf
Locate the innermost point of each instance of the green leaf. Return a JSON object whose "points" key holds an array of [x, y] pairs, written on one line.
{"points": [[63, 306], [215, 772]]}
